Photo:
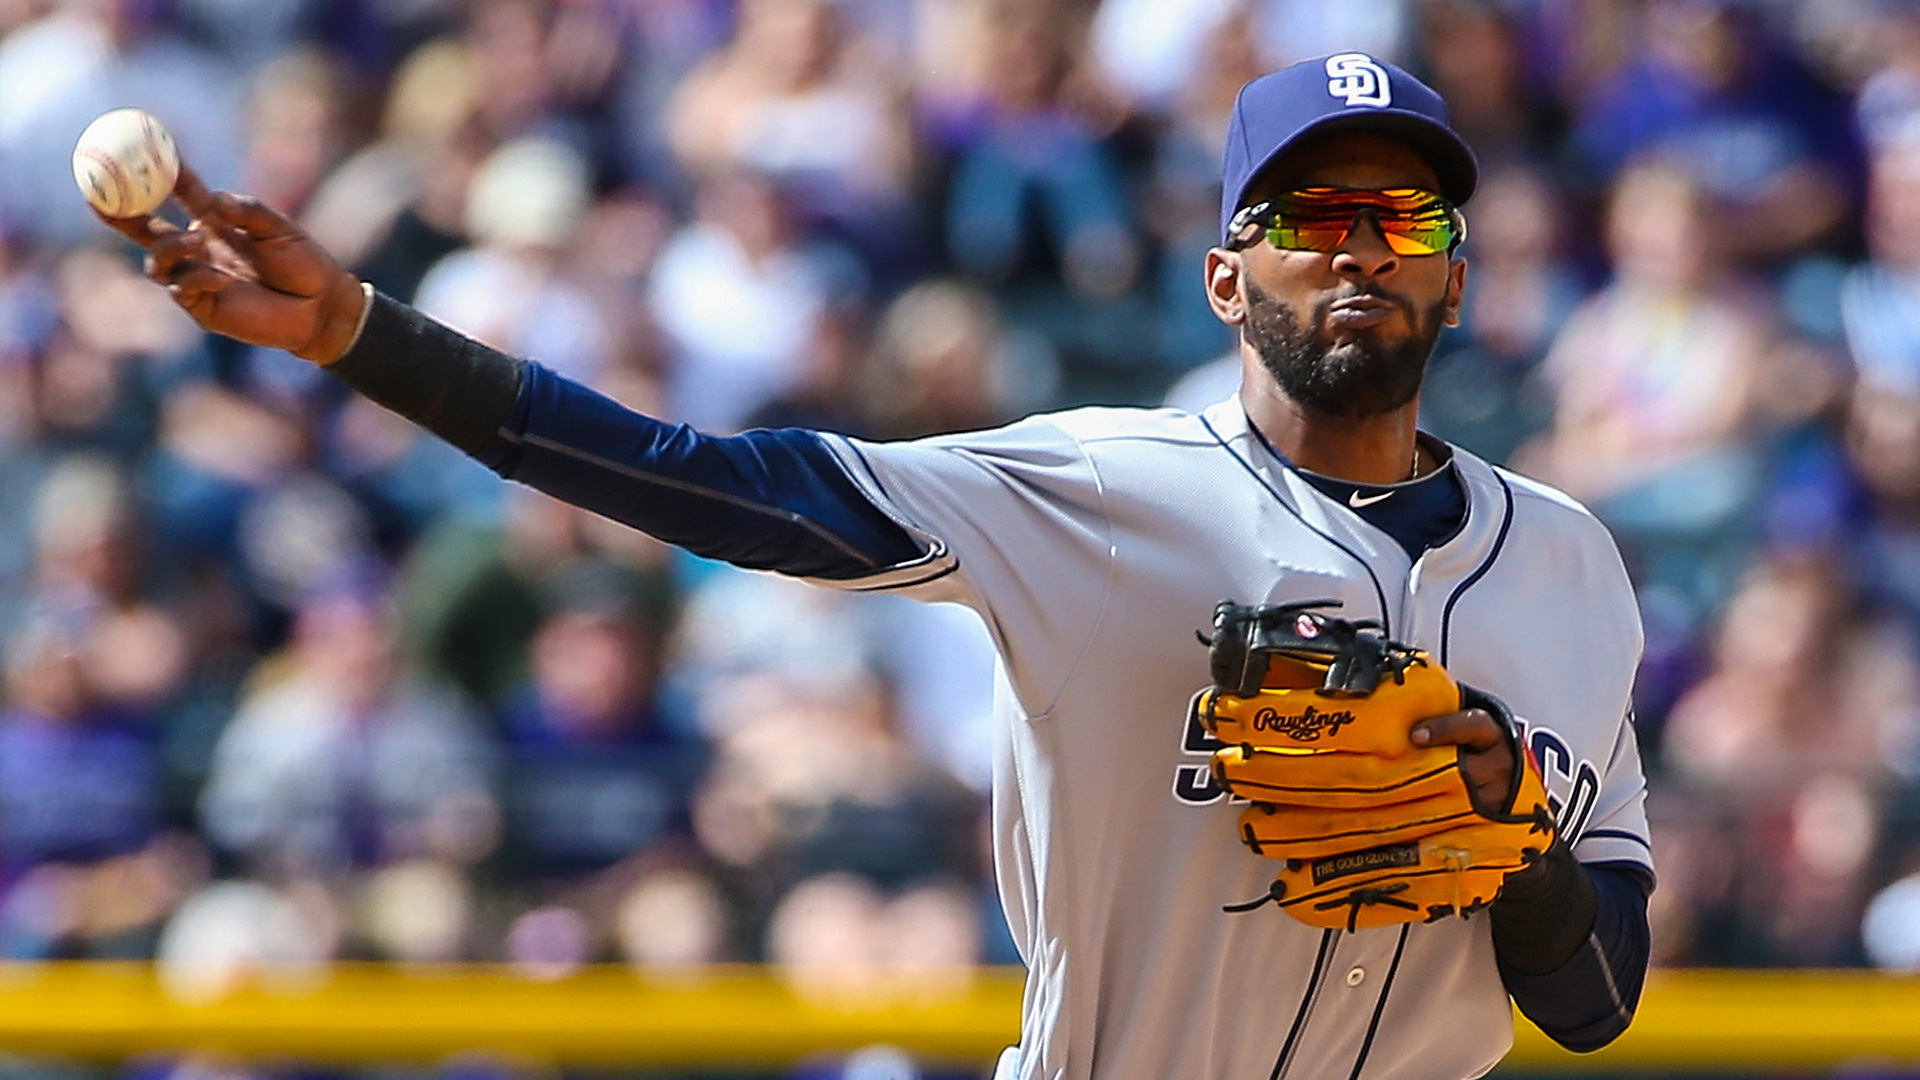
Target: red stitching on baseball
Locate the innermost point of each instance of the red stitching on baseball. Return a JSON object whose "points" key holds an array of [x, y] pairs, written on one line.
{"points": [[123, 184], [156, 153]]}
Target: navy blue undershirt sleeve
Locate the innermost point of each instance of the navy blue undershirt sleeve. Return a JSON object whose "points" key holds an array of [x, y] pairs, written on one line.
{"points": [[1589, 998], [765, 500]]}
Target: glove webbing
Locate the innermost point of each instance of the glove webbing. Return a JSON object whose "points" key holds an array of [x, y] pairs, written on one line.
{"points": [[1355, 653]]}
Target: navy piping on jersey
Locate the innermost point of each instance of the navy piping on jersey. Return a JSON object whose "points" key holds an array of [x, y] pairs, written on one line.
{"points": [[1380, 594], [1306, 1000], [1499, 544], [874, 479], [1380, 1006], [1616, 834], [893, 586]]}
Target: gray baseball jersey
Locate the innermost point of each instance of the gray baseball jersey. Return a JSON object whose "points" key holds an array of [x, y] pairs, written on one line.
{"points": [[1094, 543]]}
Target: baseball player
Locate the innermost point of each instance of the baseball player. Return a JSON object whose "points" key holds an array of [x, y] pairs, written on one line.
{"points": [[1095, 542]]}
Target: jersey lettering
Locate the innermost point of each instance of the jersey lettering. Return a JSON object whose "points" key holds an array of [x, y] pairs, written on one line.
{"points": [[1195, 785], [1573, 785], [1580, 802], [1193, 782]]}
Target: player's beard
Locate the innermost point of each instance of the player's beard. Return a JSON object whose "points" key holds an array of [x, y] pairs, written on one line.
{"points": [[1353, 379]]}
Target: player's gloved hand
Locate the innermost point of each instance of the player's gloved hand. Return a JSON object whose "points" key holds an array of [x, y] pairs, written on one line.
{"points": [[1389, 791], [242, 270]]}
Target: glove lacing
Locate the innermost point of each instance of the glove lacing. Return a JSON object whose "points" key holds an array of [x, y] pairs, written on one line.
{"points": [[1360, 898], [1353, 901]]}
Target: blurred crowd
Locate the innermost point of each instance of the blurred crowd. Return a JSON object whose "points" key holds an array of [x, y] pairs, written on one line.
{"points": [[286, 681]]}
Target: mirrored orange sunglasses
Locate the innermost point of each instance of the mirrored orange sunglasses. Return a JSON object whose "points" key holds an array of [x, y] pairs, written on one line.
{"points": [[1414, 222]]}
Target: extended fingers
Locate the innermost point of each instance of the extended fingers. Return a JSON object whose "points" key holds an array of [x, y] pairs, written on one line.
{"points": [[192, 280], [145, 230], [167, 252], [234, 215], [240, 220], [191, 192], [267, 246], [257, 219]]}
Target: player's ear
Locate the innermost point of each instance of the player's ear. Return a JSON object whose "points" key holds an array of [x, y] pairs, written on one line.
{"points": [[1224, 294], [1456, 291]]}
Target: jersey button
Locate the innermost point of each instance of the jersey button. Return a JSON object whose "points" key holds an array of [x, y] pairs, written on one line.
{"points": [[1355, 976]]}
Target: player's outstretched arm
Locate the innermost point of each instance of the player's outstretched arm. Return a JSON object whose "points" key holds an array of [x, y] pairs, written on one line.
{"points": [[244, 271], [768, 500]]}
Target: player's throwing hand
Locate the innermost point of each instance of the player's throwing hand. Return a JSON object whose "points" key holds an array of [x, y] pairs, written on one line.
{"points": [[241, 269]]}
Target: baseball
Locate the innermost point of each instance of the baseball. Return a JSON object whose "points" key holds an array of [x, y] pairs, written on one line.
{"points": [[126, 163]]}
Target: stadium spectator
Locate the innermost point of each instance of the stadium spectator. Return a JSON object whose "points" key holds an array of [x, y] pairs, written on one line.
{"points": [[525, 205], [397, 205], [818, 779], [1807, 720], [1655, 380], [740, 258], [593, 775], [1180, 205], [95, 669], [1709, 87], [796, 98], [1030, 155], [939, 363], [1477, 52], [339, 760], [79, 807], [77, 60]]}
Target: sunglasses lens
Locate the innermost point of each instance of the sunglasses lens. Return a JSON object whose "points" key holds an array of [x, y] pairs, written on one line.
{"points": [[1324, 235], [1415, 242], [1317, 219]]}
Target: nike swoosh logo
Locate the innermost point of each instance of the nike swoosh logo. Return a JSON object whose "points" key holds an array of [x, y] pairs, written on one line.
{"points": [[1354, 500]]}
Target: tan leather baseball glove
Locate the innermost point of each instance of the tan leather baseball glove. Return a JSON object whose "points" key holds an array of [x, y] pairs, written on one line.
{"points": [[1372, 831]]}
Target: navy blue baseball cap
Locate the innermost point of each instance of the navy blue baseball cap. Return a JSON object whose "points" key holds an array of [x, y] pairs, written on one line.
{"points": [[1343, 92]]}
